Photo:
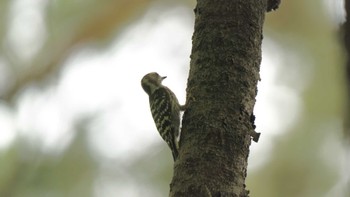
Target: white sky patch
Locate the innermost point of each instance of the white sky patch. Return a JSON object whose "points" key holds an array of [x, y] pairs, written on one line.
{"points": [[336, 10], [26, 32], [7, 126], [87, 83], [41, 118], [277, 106]]}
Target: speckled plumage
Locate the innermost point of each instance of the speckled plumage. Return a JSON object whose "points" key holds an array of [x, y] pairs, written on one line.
{"points": [[165, 109]]}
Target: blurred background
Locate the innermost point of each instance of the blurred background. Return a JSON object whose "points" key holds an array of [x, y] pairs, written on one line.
{"points": [[74, 120]]}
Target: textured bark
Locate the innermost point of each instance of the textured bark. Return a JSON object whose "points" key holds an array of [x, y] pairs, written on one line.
{"points": [[346, 29], [221, 91]]}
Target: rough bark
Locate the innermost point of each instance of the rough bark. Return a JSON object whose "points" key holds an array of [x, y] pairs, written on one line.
{"points": [[222, 86], [346, 30]]}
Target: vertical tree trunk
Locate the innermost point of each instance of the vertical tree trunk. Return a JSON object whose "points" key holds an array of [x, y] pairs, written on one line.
{"points": [[346, 29], [222, 86]]}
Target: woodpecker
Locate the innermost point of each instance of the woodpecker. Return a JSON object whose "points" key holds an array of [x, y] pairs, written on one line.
{"points": [[165, 109]]}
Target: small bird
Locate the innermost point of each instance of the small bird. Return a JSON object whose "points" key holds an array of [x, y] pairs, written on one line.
{"points": [[165, 109]]}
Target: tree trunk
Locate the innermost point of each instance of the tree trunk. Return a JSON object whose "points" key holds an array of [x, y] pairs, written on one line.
{"points": [[346, 30], [222, 86]]}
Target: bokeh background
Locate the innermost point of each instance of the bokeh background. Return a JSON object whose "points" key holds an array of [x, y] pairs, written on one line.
{"points": [[74, 120]]}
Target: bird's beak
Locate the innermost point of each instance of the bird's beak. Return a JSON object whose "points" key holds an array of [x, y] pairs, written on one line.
{"points": [[163, 78]]}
